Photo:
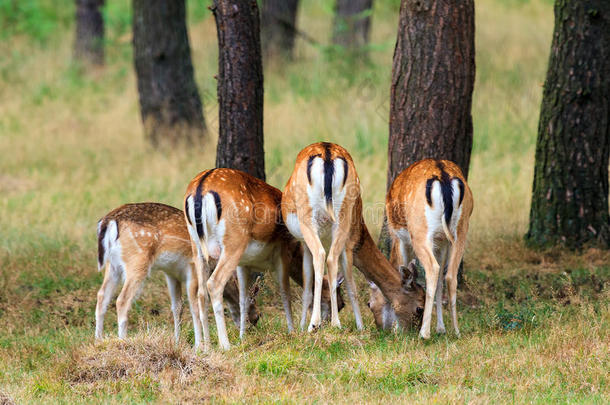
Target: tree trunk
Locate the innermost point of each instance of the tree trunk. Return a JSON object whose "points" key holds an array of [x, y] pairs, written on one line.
{"points": [[278, 26], [169, 100], [432, 81], [89, 38], [352, 23], [240, 87], [570, 192]]}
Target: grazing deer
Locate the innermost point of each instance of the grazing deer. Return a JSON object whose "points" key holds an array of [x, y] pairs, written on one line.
{"points": [[317, 205], [134, 239], [322, 207], [428, 207], [382, 310], [235, 218], [399, 288]]}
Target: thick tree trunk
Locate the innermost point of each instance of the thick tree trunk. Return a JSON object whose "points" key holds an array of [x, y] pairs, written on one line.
{"points": [[570, 192], [432, 82], [240, 87], [352, 23], [89, 38], [169, 100], [278, 26]]}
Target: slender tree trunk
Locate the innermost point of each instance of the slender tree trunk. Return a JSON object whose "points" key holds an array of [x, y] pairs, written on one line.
{"points": [[278, 26], [240, 87], [89, 38], [352, 23], [570, 192], [169, 100], [432, 82]]}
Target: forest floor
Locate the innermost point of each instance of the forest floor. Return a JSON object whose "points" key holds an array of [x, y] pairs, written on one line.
{"points": [[535, 325]]}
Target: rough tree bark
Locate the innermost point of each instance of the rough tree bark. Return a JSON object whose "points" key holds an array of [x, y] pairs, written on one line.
{"points": [[432, 82], [89, 37], [169, 100], [352, 23], [570, 192], [240, 87], [278, 23]]}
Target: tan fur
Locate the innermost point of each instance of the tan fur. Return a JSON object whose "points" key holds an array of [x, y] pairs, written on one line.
{"points": [[352, 236], [146, 233], [406, 204], [251, 215], [377, 303], [313, 219]]}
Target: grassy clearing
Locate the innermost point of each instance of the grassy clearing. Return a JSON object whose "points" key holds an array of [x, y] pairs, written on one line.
{"points": [[535, 325]]}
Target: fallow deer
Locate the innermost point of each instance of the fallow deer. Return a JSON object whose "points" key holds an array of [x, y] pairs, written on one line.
{"points": [[322, 207], [317, 205], [134, 239], [235, 218], [382, 310], [428, 207]]}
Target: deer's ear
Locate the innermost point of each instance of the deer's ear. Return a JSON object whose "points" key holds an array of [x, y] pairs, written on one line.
{"points": [[373, 285], [340, 280], [255, 288], [408, 275]]}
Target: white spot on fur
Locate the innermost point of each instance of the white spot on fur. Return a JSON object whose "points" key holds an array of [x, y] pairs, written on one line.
{"points": [[135, 242]]}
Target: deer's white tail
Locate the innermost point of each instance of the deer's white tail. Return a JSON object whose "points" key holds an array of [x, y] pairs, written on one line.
{"points": [[203, 213], [107, 235], [444, 197], [328, 176]]}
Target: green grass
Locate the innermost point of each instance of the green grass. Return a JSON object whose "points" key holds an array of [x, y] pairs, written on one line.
{"points": [[535, 325]]}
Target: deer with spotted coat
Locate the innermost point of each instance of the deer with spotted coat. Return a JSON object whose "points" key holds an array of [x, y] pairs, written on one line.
{"points": [[235, 218], [428, 207], [322, 208], [135, 239]]}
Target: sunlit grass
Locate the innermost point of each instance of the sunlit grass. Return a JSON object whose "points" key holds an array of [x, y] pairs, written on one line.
{"points": [[535, 325]]}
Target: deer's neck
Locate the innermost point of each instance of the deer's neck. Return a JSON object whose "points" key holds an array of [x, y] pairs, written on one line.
{"points": [[374, 265]]}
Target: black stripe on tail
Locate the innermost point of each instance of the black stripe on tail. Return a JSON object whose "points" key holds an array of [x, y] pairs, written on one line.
{"points": [[218, 204], [446, 190], [100, 243], [329, 171], [309, 164], [198, 204]]}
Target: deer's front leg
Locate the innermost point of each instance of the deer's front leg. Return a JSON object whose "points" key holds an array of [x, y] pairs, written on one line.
{"points": [[281, 265], [242, 281], [352, 292], [175, 293], [191, 291], [307, 284]]}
